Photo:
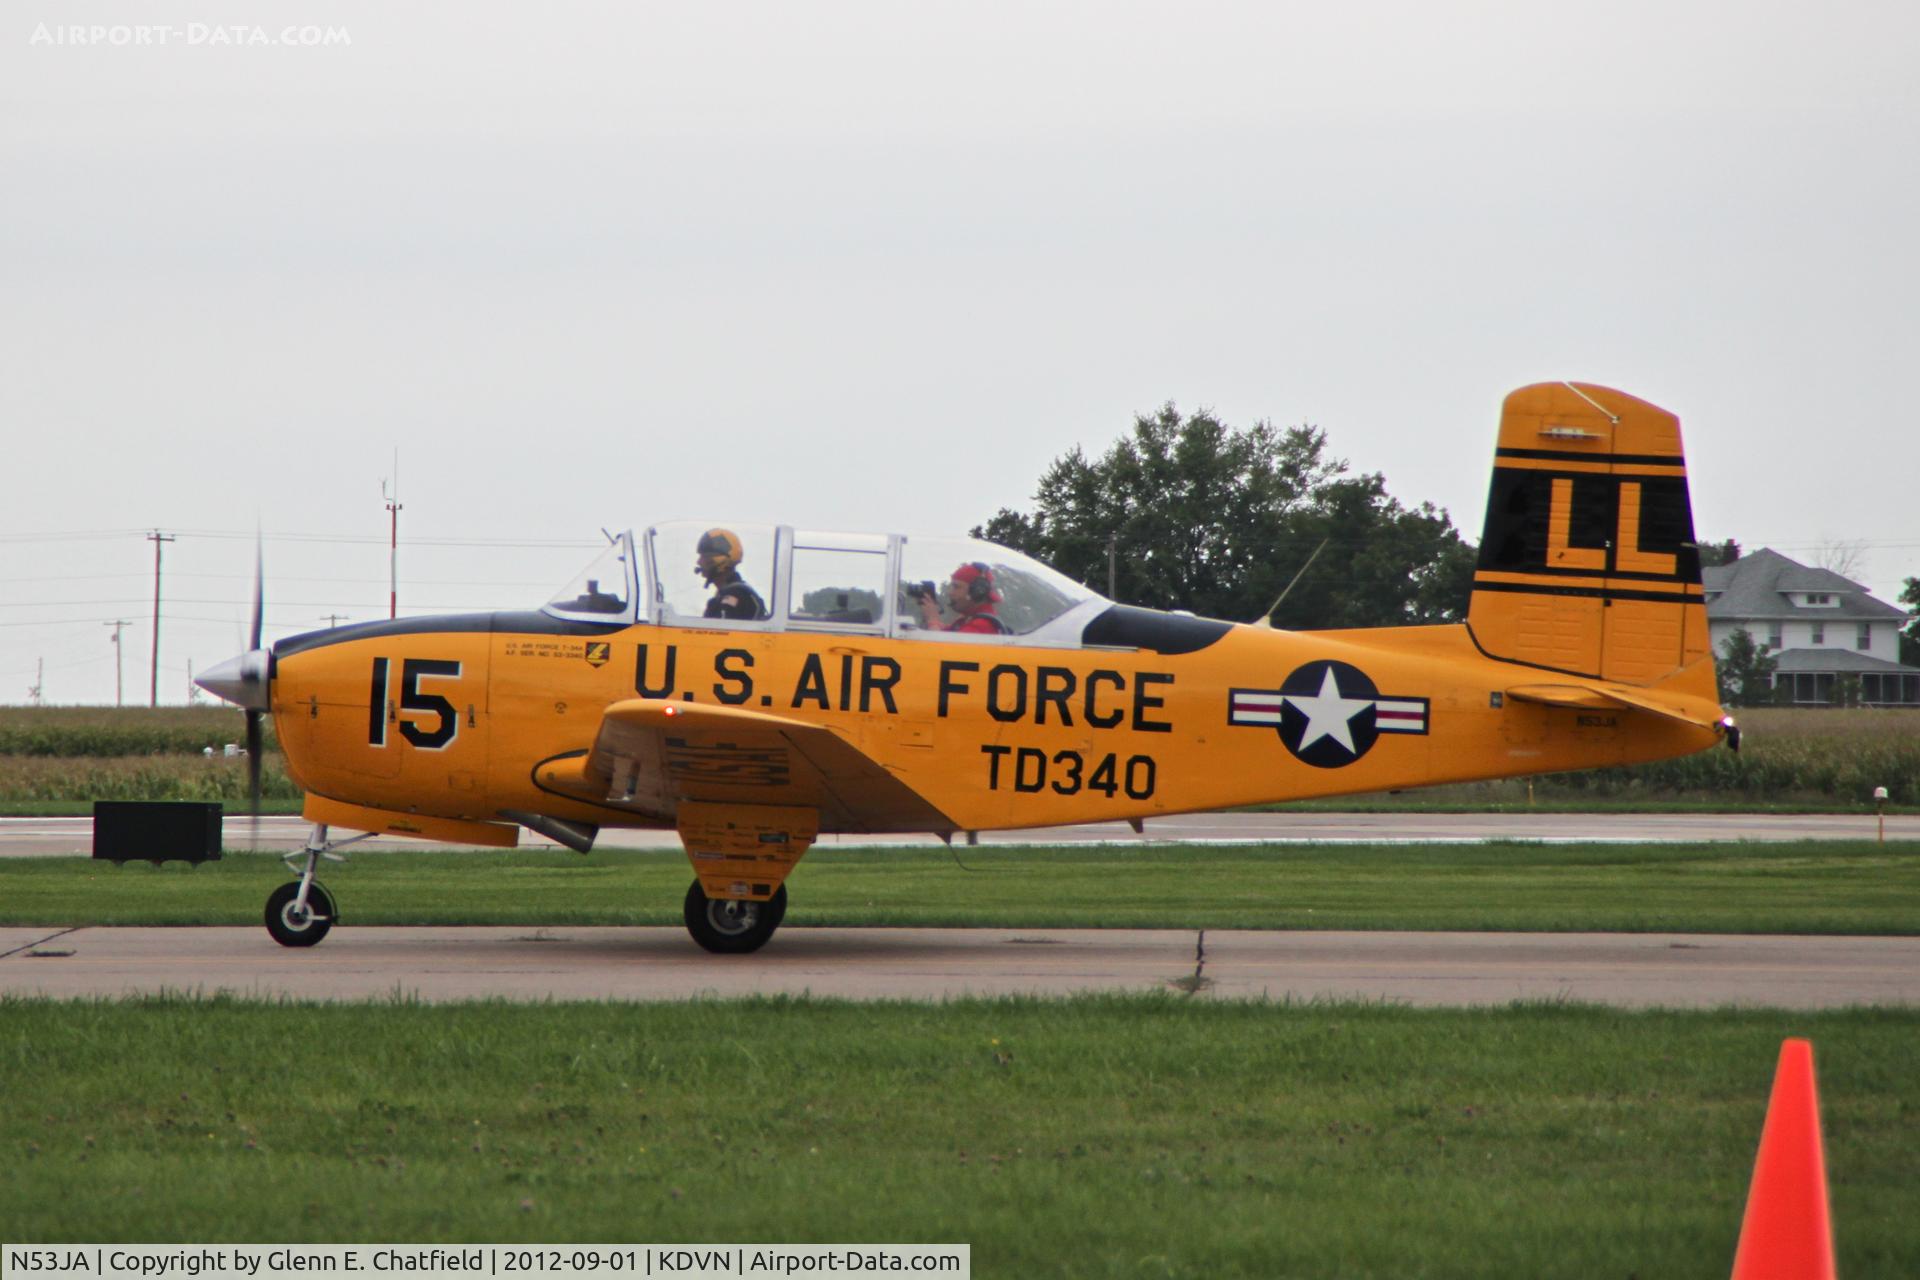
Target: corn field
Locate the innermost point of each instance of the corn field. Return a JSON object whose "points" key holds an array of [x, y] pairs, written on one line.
{"points": [[78, 733], [44, 779], [1785, 754]]}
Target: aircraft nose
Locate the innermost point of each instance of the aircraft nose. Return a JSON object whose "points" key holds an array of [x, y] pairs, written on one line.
{"points": [[241, 681]]}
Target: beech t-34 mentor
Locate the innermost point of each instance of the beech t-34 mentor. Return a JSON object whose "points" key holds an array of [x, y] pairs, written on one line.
{"points": [[805, 682]]}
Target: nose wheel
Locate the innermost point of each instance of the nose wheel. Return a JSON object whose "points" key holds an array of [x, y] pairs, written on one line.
{"points": [[300, 912], [733, 927], [294, 923]]}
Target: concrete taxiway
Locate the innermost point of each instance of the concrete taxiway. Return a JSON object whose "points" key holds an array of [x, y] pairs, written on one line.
{"points": [[56, 837], [521, 963]]}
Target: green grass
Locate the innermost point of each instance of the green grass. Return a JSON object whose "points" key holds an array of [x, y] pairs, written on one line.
{"points": [[1813, 887], [1140, 1136]]}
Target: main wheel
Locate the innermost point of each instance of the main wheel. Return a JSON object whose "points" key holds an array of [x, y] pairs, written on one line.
{"points": [[293, 927], [731, 927]]}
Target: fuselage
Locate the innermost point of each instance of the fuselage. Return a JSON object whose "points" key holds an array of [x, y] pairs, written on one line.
{"points": [[1156, 714]]}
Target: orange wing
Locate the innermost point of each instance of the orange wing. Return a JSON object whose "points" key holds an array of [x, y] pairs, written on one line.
{"points": [[650, 757]]}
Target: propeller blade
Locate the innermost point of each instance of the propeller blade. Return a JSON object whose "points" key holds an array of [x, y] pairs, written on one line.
{"points": [[253, 772], [259, 593], [253, 716]]}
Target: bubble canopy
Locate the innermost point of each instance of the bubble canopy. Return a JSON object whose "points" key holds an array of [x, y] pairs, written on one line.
{"points": [[907, 585]]}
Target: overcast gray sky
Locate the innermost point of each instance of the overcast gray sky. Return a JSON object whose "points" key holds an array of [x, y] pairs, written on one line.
{"points": [[875, 265]]}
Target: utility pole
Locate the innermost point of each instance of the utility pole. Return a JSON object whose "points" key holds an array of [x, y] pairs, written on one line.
{"points": [[393, 543], [119, 687], [153, 684], [333, 619], [39, 681]]}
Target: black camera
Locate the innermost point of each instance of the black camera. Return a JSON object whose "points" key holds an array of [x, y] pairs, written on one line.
{"points": [[923, 590]]}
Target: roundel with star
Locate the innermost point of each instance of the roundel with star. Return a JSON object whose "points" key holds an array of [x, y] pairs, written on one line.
{"points": [[1328, 713]]}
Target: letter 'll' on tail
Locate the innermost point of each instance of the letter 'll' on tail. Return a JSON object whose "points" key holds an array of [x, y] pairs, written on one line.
{"points": [[1587, 563]]}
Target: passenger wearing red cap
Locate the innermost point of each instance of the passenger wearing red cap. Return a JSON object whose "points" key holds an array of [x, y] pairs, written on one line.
{"points": [[972, 597]]}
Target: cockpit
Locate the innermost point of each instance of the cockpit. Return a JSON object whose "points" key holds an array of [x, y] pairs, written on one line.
{"points": [[777, 578]]}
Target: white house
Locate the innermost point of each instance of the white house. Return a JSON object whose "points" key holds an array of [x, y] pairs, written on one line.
{"points": [[1818, 626]]}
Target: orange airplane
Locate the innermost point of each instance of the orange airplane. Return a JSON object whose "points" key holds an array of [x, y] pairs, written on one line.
{"points": [[883, 683]]}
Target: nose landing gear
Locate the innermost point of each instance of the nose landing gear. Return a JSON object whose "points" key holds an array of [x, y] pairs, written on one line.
{"points": [[300, 912]]}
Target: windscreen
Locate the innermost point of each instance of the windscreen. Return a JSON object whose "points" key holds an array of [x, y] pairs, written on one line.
{"points": [[602, 590]]}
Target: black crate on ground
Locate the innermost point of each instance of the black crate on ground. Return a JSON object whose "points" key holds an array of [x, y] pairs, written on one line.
{"points": [[156, 831]]}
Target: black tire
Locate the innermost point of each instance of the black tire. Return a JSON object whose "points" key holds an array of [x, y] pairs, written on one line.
{"points": [[299, 929], [732, 928]]}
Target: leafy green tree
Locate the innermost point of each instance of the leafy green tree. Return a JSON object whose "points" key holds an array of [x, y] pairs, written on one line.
{"points": [[1715, 554], [1745, 670], [1910, 635], [1216, 520]]}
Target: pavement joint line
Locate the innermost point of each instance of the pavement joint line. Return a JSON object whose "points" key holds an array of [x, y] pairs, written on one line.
{"points": [[41, 942]]}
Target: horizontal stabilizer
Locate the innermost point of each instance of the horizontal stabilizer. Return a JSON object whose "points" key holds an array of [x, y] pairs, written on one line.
{"points": [[1683, 707], [1565, 695]]}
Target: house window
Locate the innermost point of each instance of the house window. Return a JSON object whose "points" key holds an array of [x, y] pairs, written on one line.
{"points": [[1863, 637], [1773, 635], [1820, 597], [1819, 633]]}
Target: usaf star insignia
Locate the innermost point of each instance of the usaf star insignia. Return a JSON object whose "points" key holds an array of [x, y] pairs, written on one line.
{"points": [[1328, 713]]}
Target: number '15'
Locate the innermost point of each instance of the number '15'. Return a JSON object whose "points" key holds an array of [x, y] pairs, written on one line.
{"points": [[412, 672]]}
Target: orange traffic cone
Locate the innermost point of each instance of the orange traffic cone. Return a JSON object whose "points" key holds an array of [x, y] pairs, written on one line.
{"points": [[1787, 1234]]}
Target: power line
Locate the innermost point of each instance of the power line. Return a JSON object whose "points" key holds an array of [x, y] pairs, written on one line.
{"points": [[158, 539]]}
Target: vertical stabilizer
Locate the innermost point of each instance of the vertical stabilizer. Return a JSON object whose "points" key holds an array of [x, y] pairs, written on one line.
{"points": [[1587, 562]]}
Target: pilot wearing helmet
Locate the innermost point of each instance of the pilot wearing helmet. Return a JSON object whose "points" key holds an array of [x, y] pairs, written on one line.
{"points": [[972, 597], [719, 559]]}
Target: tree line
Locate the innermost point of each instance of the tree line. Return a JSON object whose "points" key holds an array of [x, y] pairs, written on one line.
{"points": [[1186, 512]]}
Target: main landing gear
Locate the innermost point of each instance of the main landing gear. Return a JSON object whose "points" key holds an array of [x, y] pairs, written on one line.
{"points": [[733, 927], [300, 912]]}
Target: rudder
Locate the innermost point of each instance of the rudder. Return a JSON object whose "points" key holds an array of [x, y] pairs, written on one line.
{"points": [[1587, 561]]}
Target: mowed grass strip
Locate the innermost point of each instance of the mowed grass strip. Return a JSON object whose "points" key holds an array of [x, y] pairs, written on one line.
{"points": [[1812, 887], [1140, 1136]]}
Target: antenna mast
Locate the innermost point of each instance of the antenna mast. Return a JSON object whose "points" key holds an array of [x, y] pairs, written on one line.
{"points": [[393, 538]]}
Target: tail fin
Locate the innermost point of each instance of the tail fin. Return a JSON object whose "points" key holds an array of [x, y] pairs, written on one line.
{"points": [[1587, 563]]}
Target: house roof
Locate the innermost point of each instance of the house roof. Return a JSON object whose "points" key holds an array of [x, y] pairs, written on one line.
{"points": [[1757, 586], [1851, 660]]}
